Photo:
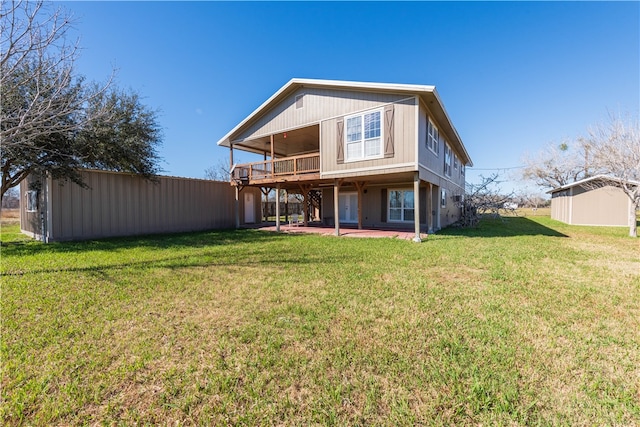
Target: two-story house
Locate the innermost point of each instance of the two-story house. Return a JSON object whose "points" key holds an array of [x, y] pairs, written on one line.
{"points": [[380, 155]]}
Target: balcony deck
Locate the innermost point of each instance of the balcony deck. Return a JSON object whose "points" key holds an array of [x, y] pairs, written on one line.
{"points": [[304, 167]]}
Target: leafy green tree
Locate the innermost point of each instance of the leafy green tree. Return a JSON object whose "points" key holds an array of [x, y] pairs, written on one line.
{"points": [[51, 122], [124, 137]]}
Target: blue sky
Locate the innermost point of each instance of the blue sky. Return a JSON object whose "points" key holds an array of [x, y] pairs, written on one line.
{"points": [[513, 76]]}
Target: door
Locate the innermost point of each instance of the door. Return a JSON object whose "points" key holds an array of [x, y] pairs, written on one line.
{"points": [[348, 207], [249, 210]]}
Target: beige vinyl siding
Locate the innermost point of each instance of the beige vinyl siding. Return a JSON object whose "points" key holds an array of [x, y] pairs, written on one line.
{"points": [[426, 157], [319, 104], [607, 206], [451, 212], [403, 159], [118, 204]]}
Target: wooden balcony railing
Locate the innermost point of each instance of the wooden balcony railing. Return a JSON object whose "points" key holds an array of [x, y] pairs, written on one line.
{"points": [[277, 168]]}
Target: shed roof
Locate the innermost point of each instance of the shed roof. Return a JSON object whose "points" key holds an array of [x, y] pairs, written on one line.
{"points": [[428, 94], [599, 177]]}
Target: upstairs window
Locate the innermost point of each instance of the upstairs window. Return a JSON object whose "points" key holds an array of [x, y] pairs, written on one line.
{"points": [[433, 137], [447, 159], [364, 136], [455, 163]]}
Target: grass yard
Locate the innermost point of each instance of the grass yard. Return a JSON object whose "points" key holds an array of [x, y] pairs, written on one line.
{"points": [[526, 322]]}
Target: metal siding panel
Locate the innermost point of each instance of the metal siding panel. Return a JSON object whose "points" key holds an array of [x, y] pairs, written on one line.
{"points": [[120, 204], [115, 194], [86, 196], [156, 192], [103, 194], [76, 212], [602, 206], [164, 205]]}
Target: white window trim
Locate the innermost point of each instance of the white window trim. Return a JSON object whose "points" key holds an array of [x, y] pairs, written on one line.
{"points": [[443, 197], [31, 207], [447, 171], [402, 208], [364, 157], [436, 141]]}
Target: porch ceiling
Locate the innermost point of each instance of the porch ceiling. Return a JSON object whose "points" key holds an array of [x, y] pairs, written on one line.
{"points": [[289, 143], [404, 179]]}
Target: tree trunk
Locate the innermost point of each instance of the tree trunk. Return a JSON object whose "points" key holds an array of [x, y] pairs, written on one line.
{"points": [[633, 228]]}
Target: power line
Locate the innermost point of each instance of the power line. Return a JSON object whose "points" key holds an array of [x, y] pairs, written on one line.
{"points": [[498, 169]]}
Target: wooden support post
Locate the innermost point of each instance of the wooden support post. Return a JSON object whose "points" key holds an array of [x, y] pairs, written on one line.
{"points": [[360, 185], [336, 208], [237, 206], [265, 204], [277, 207], [305, 189], [286, 206], [416, 207], [230, 160]]}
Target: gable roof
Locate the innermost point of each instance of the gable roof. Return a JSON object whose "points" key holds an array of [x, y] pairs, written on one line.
{"points": [[599, 177], [428, 94]]}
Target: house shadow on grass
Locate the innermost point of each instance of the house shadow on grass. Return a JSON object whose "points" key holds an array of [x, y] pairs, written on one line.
{"points": [[503, 227], [204, 256], [158, 241]]}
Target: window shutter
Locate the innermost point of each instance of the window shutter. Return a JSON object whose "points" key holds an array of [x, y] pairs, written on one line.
{"points": [[388, 131], [423, 205], [383, 205], [340, 141]]}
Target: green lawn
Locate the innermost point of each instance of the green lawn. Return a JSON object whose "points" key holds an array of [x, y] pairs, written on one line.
{"points": [[526, 322]]}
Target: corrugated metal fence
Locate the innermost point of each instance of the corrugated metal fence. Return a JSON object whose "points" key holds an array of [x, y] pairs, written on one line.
{"points": [[120, 204]]}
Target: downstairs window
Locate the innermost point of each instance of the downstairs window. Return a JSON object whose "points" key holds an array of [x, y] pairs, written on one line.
{"points": [[401, 205]]}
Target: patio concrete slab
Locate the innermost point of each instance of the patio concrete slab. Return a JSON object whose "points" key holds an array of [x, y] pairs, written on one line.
{"points": [[344, 231]]}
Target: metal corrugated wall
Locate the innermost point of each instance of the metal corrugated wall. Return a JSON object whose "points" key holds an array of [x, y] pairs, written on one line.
{"points": [[119, 204]]}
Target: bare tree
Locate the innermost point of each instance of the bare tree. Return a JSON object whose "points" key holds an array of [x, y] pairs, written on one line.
{"points": [[532, 200], [557, 165], [11, 199], [615, 150], [42, 100], [485, 198], [50, 121], [611, 151], [221, 171]]}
